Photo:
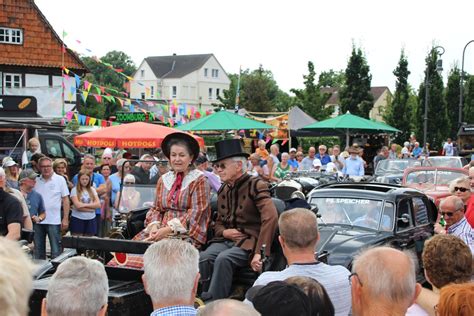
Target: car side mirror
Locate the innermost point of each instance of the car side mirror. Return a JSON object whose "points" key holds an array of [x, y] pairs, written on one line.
{"points": [[405, 219], [315, 210]]}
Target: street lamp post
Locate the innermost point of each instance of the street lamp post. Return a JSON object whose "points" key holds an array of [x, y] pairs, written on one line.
{"points": [[461, 81], [439, 68]]}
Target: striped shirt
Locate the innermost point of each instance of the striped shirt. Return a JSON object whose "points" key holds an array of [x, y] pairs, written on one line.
{"points": [[178, 310], [333, 278], [463, 230]]}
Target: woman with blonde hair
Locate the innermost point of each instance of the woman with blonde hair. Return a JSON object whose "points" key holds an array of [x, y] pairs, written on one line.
{"points": [[12, 172], [85, 201], [33, 148], [60, 168]]}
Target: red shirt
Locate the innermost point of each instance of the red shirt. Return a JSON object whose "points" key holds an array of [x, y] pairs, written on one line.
{"points": [[470, 210]]}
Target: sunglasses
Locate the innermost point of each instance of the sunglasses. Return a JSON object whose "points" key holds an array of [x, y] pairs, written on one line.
{"points": [[449, 214], [129, 182], [219, 166], [460, 189]]}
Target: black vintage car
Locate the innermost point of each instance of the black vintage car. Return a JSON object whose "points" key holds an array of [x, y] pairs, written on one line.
{"points": [[353, 216]]}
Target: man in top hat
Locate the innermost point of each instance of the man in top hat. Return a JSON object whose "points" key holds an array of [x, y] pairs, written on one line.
{"points": [[246, 220]]}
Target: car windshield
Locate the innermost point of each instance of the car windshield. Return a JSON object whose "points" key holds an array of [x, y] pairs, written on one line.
{"points": [[448, 162], [432, 177], [355, 211], [136, 196], [391, 166]]}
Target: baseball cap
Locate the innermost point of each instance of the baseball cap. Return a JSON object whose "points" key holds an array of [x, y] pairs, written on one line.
{"points": [[8, 162], [28, 173], [292, 150]]}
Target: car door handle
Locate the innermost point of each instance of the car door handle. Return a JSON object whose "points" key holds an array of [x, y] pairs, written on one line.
{"points": [[403, 244]]}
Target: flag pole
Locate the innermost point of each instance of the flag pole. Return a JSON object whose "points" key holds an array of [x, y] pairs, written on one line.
{"points": [[237, 94]]}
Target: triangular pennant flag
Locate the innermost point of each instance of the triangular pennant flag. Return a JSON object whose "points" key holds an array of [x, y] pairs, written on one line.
{"points": [[78, 80], [66, 70], [69, 115], [97, 98], [82, 119], [171, 122], [64, 34], [274, 141], [86, 85], [103, 123], [284, 142], [84, 95], [75, 117], [120, 101], [92, 121], [88, 118], [102, 89], [70, 96], [97, 89], [73, 90]]}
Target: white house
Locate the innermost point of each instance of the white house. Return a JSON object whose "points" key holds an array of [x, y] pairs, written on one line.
{"points": [[194, 80]]}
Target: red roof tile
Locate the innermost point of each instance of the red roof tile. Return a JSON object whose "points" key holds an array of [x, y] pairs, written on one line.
{"points": [[42, 47]]}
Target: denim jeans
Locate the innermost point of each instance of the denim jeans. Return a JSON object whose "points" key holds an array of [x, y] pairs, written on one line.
{"points": [[54, 234]]}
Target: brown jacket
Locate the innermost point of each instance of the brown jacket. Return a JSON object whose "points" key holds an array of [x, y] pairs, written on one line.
{"points": [[247, 206]]}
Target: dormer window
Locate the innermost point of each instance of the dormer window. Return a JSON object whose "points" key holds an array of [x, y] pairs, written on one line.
{"points": [[11, 36]]}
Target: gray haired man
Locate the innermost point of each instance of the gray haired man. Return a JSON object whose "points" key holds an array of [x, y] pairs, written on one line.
{"points": [[383, 282], [171, 277], [78, 287]]}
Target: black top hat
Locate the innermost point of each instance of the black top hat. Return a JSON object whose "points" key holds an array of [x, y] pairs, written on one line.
{"points": [[170, 139], [229, 148]]}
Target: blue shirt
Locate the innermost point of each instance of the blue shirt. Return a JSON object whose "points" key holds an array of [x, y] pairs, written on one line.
{"points": [[353, 167], [416, 152], [35, 203], [178, 310], [97, 180], [324, 159], [115, 180], [293, 163], [464, 231]]}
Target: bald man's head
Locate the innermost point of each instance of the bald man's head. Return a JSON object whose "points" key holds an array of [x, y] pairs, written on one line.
{"points": [[388, 275]]}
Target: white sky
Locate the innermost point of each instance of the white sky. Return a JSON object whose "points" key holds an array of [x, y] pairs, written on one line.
{"points": [[280, 35]]}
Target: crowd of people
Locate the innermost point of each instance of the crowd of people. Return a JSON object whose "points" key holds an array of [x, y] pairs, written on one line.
{"points": [[191, 248]]}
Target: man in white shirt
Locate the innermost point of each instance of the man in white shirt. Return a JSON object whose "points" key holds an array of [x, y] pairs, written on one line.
{"points": [[448, 149], [53, 188], [298, 238]]}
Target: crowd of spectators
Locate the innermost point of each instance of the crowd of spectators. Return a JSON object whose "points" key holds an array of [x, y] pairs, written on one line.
{"points": [[382, 280]]}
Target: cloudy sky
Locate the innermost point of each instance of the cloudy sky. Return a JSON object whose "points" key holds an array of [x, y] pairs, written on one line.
{"points": [[281, 35]]}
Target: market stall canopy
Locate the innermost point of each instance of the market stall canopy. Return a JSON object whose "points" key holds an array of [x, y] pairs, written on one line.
{"points": [[223, 120], [346, 123], [132, 135], [297, 119]]}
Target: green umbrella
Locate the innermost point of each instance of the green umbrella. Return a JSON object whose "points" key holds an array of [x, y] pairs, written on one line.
{"points": [[345, 123], [223, 120]]}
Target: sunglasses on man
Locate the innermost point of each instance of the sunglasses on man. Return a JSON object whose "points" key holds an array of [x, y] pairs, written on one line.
{"points": [[449, 214]]}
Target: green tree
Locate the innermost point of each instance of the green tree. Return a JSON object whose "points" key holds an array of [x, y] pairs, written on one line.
{"points": [[398, 114], [283, 101], [468, 109], [102, 74], [438, 122], [310, 99], [258, 91], [355, 95], [452, 100], [331, 78]]}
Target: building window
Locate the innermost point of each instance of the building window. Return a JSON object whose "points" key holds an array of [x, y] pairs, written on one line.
{"points": [[143, 95], [205, 72], [12, 81], [142, 73], [11, 36], [217, 93], [215, 73], [174, 92], [210, 93], [152, 91]]}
